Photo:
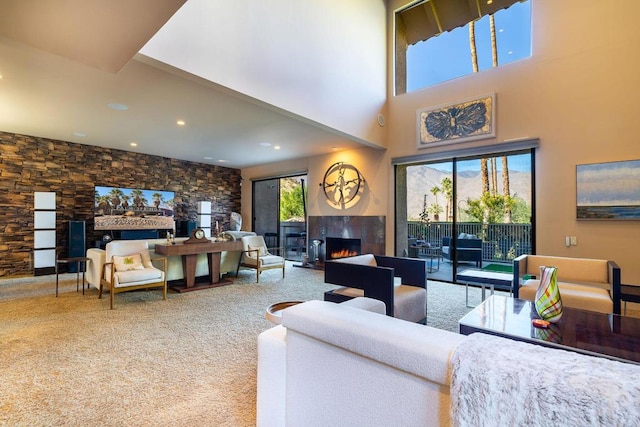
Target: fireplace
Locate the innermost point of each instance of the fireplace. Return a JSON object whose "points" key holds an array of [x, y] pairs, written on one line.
{"points": [[341, 248], [369, 230], [359, 235]]}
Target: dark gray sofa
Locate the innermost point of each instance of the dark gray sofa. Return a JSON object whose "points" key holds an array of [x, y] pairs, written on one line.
{"points": [[467, 250]]}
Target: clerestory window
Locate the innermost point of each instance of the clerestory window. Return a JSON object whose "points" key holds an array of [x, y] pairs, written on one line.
{"points": [[440, 40]]}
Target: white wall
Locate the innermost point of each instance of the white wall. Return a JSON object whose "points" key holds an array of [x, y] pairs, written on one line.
{"points": [[321, 59]]}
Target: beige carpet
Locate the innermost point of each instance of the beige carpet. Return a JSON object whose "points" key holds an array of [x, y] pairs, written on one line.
{"points": [[187, 361], [190, 360]]}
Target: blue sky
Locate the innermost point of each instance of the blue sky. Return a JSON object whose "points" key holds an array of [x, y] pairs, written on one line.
{"points": [[448, 55], [519, 162], [147, 194]]}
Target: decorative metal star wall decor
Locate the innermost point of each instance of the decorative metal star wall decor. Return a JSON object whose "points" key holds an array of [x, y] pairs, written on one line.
{"points": [[342, 183]]}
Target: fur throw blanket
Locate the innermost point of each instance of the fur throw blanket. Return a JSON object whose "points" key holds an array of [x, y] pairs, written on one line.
{"points": [[501, 382]]}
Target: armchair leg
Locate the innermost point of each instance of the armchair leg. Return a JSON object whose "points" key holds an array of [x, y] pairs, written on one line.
{"points": [[111, 298], [257, 275]]}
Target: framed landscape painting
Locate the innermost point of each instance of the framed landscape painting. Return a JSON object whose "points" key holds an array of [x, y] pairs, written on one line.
{"points": [[117, 208], [608, 191]]}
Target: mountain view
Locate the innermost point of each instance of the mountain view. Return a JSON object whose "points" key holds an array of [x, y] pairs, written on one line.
{"points": [[421, 179]]}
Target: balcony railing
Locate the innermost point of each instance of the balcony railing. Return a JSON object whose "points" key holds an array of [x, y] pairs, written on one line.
{"points": [[500, 242]]}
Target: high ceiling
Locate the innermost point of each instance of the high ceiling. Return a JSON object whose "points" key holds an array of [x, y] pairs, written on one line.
{"points": [[63, 61]]}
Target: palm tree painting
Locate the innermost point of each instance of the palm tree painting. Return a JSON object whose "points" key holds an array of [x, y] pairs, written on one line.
{"points": [[115, 194], [125, 208], [102, 203], [138, 198], [157, 199]]}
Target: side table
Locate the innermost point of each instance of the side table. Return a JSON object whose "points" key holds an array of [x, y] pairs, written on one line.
{"points": [[274, 311], [494, 279], [629, 293], [78, 260], [428, 252], [431, 253]]}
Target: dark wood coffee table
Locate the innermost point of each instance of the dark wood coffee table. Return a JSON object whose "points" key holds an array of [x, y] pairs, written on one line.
{"points": [[607, 335]]}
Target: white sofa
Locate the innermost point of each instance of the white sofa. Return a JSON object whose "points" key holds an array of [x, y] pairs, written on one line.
{"points": [[334, 365], [228, 260]]}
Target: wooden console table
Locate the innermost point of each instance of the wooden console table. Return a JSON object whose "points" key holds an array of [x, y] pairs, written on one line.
{"points": [[190, 252]]}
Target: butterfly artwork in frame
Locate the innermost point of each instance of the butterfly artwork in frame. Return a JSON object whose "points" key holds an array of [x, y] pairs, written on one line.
{"points": [[453, 123]]}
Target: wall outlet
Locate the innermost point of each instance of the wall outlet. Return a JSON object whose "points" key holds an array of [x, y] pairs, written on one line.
{"points": [[567, 241], [574, 240]]}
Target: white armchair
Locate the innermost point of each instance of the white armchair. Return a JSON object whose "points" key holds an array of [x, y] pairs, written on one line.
{"points": [[129, 267], [256, 255]]}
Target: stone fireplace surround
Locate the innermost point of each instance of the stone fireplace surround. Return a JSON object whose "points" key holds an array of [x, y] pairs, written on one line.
{"points": [[369, 229]]}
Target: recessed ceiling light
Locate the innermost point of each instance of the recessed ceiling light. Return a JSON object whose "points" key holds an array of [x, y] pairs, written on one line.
{"points": [[80, 134], [277, 147], [133, 144], [222, 161], [265, 144], [208, 158], [180, 123], [116, 106], [489, 1]]}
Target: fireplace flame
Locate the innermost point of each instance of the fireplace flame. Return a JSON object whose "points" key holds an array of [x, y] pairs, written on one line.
{"points": [[343, 253]]}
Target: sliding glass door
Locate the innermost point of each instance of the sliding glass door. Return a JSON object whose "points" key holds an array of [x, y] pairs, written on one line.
{"points": [[279, 214], [468, 212], [266, 208]]}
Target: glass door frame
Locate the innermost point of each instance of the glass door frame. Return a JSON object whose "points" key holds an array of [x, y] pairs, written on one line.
{"points": [[401, 227], [280, 228], [255, 208]]}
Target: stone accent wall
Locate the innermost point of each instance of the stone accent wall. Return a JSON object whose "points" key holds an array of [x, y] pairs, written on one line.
{"points": [[29, 164]]}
